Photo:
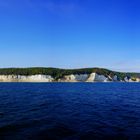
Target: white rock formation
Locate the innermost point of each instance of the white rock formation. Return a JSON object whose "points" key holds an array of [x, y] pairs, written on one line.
{"points": [[115, 78], [21, 78], [126, 79], [69, 78], [94, 77], [76, 78], [81, 77], [137, 79]]}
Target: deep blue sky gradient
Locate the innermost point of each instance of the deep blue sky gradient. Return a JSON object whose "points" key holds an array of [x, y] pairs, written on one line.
{"points": [[70, 33]]}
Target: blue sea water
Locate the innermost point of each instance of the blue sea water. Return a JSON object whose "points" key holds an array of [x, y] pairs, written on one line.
{"points": [[70, 111]]}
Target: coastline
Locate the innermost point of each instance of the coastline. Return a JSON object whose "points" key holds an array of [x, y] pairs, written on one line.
{"points": [[73, 78], [65, 75]]}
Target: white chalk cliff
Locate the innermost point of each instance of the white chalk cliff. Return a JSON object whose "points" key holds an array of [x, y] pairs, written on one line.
{"points": [[75, 78], [21, 78], [93, 77]]}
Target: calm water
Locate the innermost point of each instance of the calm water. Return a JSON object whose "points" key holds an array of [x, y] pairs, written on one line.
{"points": [[70, 111]]}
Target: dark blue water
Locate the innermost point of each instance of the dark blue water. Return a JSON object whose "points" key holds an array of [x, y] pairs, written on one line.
{"points": [[69, 111]]}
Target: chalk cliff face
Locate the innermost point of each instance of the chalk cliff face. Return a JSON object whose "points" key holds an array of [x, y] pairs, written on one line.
{"points": [[93, 77], [75, 78], [137, 79], [20, 78], [127, 79]]}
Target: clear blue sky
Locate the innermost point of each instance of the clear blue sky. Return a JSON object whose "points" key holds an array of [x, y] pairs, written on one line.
{"points": [[70, 33]]}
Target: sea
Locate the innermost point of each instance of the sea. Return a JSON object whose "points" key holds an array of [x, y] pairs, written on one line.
{"points": [[70, 111]]}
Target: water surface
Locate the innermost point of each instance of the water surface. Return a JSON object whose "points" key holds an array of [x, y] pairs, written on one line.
{"points": [[70, 111]]}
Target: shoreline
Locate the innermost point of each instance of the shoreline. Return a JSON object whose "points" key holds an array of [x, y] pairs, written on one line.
{"points": [[64, 82]]}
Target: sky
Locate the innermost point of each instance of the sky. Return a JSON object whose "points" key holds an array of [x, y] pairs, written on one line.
{"points": [[70, 34]]}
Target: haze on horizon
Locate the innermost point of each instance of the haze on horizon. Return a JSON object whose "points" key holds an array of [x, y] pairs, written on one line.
{"points": [[70, 34]]}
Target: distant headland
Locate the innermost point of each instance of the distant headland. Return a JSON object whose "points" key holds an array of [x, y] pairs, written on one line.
{"points": [[42, 74]]}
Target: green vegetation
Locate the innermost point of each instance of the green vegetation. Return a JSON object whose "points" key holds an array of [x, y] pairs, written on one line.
{"points": [[59, 73]]}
